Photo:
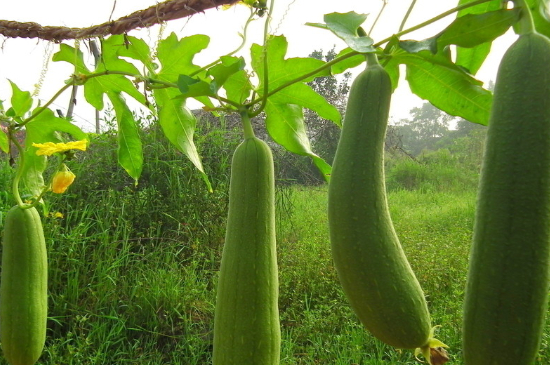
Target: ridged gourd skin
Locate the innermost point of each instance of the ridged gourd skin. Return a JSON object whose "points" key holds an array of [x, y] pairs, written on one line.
{"points": [[507, 285], [246, 322], [23, 287], [373, 270]]}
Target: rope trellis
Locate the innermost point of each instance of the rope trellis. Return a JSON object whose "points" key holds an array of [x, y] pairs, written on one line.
{"points": [[165, 11]]}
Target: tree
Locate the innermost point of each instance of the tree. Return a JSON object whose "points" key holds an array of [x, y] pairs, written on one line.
{"points": [[427, 127], [324, 134]]}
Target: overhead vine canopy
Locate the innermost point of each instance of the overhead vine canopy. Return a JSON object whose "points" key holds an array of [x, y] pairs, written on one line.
{"points": [[162, 12]]}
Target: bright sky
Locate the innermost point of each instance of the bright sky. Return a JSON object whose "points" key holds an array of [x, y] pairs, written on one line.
{"points": [[21, 60]]}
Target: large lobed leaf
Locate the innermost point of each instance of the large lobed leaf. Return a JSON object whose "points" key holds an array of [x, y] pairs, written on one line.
{"points": [[285, 124], [447, 87], [175, 58], [130, 155], [472, 58], [178, 124], [347, 26], [284, 115], [97, 87]]}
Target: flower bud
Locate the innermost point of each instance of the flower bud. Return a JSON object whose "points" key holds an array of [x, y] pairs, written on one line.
{"points": [[62, 179]]}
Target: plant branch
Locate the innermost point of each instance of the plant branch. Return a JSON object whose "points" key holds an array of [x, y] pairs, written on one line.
{"points": [[385, 2], [45, 106], [265, 63], [307, 75], [413, 3], [432, 20], [245, 30]]}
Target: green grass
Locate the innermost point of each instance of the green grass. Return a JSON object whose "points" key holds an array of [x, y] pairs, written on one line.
{"points": [[435, 230], [132, 272]]}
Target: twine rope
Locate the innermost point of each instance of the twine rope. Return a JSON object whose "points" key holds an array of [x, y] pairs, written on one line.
{"points": [[162, 12]]}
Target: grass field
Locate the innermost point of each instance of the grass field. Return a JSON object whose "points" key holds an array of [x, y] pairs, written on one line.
{"points": [[124, 294], [435, 231]]}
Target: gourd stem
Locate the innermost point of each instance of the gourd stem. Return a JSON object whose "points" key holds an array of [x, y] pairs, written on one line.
{"points": [[19, 168], [525, 24], [372, 59], [247, 125]]}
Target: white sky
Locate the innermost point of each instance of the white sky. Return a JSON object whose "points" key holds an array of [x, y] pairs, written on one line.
{"points": [[21, 60]]}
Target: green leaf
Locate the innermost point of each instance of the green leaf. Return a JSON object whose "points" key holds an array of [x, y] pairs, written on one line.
{"points": [[4, 142], [130, 155], [540, 9], [51, 124], [447, 88], [192, 87], [73, 56], [392, 67], [132, 47], [282, 70], [176, 56], [472, 58], [412, 46], [43, 128], [348, 63], [345, 26], [96, 87], [391, 62], [284, 116], [285, 124], [178, 125], [238, 87], [111, 49], [303, 95], [222, 71], [323, 167], [21, 101], [468, 31], [472, 30], [32, 179]]}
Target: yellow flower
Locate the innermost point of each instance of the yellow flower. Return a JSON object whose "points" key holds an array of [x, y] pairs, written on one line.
{"points": [[56, 215], [49, 148], [62, 179]]}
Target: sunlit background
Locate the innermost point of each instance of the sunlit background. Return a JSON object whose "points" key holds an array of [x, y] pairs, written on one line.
{"points": [[22, 60]]}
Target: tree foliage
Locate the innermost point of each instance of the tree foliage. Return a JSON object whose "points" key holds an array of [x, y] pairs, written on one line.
{"points": [[430, 129], [323, 133], [427, 126]]}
